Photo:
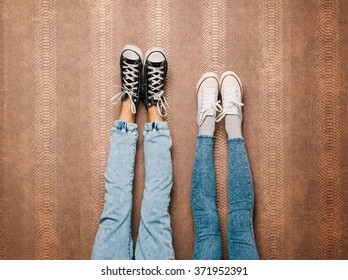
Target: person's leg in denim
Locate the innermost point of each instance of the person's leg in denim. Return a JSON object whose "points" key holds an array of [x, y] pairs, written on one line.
{"points": [[155, 234], [203, 186], [241, 241], [203, 202], [113, 240]]}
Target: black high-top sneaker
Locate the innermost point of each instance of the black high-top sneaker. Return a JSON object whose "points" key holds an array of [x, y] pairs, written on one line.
{"points": [[155, 71], [131, 63]]}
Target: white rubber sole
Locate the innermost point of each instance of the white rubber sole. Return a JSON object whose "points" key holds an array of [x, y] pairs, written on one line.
{"points": [[134, 49], [155, 49], [206, 76]]}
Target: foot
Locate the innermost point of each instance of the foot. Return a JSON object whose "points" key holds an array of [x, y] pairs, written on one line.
{"points": [[207, 103], [155, 71], [231, 95], [131, 63]]}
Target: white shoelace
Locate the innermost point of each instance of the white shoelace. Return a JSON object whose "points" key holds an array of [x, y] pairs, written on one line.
{"points": [[208, 103], [156, 83], [118, 96], [229, 102], [130, 82]]}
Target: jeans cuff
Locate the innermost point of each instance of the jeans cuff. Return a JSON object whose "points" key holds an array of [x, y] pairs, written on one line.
{"points": [[206, 137], [235, 140], [156, 126], [126, 126]]}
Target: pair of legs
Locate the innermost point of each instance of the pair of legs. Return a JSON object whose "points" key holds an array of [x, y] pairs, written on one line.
{"points": [[113, 240], [241, 241]]}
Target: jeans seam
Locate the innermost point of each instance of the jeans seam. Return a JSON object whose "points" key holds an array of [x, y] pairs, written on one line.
{"points": [[251, 198], [196, 221], [129, 213]]}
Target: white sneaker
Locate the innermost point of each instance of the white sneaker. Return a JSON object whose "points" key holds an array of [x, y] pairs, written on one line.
{"points": [[207, 97], [231, 95]]}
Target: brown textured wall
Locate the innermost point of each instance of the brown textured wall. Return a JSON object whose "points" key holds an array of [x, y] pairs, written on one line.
{"points": [[59, 67]]}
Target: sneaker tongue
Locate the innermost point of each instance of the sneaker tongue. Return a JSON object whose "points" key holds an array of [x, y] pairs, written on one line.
{"points": [[132, 62], [211, 92], [235, 95], [156, 88]]}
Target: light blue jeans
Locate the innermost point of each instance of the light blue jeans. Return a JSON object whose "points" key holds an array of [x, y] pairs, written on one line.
{"points": [[113, 240], [240, 233]]}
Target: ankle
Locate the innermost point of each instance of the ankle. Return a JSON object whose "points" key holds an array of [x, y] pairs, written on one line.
{"points": [[126, 112], [153, 115], [126, 118]]}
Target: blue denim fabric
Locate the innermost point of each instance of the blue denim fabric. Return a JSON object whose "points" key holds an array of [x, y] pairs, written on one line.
{"points": [[155, 234], [203, 202], [240, 232], [241, 242], [113, 240]]}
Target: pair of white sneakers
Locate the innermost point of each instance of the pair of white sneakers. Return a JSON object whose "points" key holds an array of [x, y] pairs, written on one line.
{"points": [[208, 88]]}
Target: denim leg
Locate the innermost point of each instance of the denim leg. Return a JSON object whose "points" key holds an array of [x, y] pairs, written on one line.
{"points": [[113, 240], [241, 241], [155, 234], [203, 202]]}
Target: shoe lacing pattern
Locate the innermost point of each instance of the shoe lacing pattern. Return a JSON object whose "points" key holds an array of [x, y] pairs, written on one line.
{"points": [[208, 103], [155, 89], [130, 85], [229, 101]]}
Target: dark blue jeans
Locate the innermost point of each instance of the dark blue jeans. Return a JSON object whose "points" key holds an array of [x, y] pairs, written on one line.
{"points": [[241, 241]]}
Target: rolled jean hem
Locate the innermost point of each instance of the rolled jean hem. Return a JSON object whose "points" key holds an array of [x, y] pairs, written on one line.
{"points": [[126, 126], [235, 140], [156, 126], [205, 137]]}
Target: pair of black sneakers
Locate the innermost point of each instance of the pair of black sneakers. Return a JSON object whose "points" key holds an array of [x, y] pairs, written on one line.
{"points": [[149, 88]]}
